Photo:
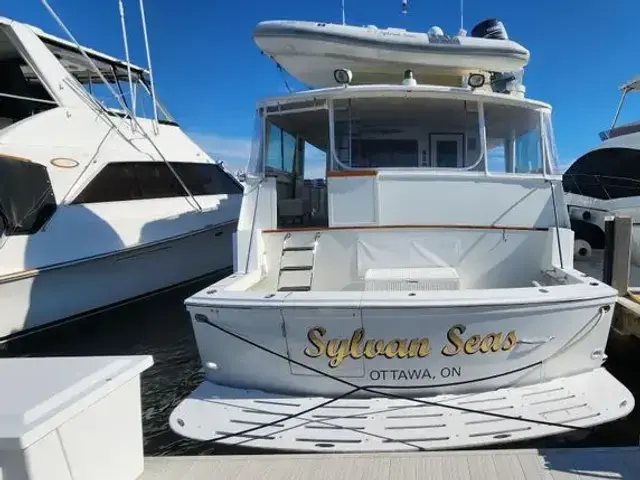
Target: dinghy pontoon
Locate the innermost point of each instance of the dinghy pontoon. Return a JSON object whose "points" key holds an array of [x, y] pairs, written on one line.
{"points": [[311, 52]]}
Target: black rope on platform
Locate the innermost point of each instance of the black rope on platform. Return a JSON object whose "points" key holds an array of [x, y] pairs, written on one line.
{"points": [[355, 388]]}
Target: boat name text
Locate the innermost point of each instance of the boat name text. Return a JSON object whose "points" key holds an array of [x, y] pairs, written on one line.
{"points": [[337, 350]]}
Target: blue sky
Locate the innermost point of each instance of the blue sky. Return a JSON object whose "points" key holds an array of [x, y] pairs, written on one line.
{"points": [[209, 72]]}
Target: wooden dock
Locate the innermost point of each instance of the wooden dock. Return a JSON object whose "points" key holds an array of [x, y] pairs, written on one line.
{"points": [[552, 464]]}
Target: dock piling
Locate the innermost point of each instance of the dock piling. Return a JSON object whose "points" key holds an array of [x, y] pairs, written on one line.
{"points": [[617, 254]]}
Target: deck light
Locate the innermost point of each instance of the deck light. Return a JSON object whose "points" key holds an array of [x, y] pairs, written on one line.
{"points": [[476, 80], [343, 76]]}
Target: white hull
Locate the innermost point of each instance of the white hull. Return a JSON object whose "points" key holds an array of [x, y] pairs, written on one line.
{"points": [[39, 298], [427, 350], [383, 424], [352, 378], [92, 212], [311, 52]]}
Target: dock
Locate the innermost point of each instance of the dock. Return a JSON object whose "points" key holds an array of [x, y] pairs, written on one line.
{"points": [[529, 464]]}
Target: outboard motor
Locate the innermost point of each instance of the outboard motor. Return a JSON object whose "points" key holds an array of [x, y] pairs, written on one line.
{"points": [[501, 82], [490, 28]]}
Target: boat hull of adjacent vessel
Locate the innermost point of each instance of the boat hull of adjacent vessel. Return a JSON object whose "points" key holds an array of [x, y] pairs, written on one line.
{"points": [[34, 299], [311, 52], [589, 215], [345, 379]]}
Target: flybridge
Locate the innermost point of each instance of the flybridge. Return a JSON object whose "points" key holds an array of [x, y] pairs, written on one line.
{"points": [[65, 45]]}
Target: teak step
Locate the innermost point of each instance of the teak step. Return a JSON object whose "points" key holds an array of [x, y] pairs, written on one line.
{"points": [[296, 268], [297, 263], [297, 249], [297, 288]]}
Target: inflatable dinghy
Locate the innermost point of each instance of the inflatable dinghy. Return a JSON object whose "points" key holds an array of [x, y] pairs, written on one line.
{"points": [[312, 51]]}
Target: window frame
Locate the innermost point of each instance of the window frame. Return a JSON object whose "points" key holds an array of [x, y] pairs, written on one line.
{"points": [[435, 137]]}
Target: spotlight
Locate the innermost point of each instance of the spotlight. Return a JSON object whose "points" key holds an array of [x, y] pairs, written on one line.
{"points": [[476, 80], [343, 76]]}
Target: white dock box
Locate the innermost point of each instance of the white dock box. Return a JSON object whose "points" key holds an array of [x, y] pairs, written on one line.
{"points": [[71, 418]]}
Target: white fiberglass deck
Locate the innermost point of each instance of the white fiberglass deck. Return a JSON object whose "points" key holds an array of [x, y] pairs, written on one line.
{"points": [[529, 464], [382, 424]]}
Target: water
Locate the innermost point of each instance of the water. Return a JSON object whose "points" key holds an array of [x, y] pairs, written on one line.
{"points": [[160, 326]]}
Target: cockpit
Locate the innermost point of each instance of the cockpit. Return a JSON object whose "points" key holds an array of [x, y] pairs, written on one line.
{"points": [[364, 130]]}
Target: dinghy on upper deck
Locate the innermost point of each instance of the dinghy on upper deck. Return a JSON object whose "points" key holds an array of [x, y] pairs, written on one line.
{"points": [[312, 51]]}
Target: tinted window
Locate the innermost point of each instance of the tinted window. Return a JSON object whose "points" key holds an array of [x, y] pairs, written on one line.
{"points": [[281, 150], [605, 173], [124, 181], [26, 198]]}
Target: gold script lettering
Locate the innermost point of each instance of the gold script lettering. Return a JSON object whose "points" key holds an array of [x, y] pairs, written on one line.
{"points": [[455, 342], [419, 348], [355, 341], [373, 348], [510, 341], [472, 344], [314, 339], [491, 343], [337, 350]]}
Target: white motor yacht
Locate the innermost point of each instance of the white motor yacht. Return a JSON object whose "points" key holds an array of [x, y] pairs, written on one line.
{"points": [[103, 198], [431, 304]]}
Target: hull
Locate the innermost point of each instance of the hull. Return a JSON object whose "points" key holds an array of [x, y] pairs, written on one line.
{"points": [[58, 293], [424, 351], [589, 216], [403, 379], [379, 56]]}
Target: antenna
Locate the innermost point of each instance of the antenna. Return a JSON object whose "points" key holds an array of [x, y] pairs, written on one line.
{"points": [[462, 31], [126, 53], [153, 91], [343, 17], [404, 6]]}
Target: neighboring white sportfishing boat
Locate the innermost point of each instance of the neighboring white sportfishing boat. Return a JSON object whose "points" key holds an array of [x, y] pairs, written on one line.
{"points": [[605, 181], [98, 205], [434, 306]]}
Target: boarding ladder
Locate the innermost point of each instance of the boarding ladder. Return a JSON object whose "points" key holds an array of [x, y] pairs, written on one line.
{"points": [[297, 262]]}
